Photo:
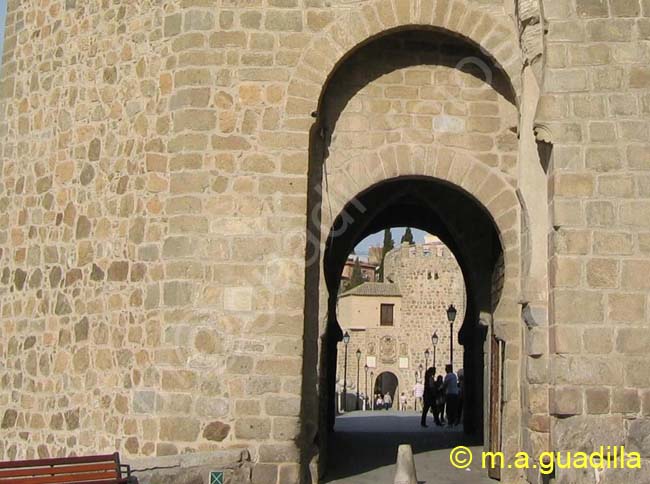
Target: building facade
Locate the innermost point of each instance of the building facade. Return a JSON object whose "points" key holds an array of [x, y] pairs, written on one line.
{"points": [[391, 323], [181, 183], [368, 271]]}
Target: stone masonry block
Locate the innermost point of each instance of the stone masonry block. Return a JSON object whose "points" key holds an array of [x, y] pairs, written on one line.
{"points": [[565, 401]]}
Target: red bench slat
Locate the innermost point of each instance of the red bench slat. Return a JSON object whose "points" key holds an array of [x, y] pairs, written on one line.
{"points": [[58, 461], [64, 469], [92, 477], [94, 469]]}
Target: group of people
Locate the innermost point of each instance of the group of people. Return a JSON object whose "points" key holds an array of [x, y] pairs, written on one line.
{"points": [[440, 395], [383, 401]]}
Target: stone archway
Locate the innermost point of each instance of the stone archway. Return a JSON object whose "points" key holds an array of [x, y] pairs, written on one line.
{"points": [[386, 382], [379, 17], [470, 176]]}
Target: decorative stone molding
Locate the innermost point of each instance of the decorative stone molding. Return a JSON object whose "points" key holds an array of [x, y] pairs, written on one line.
{"points": [[531, 34]]}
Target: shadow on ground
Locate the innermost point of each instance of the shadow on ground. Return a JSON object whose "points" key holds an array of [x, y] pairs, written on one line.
{"points": [[365, 441]]}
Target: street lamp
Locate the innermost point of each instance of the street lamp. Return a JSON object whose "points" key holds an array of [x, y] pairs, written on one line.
{"points": [[451, 315], [372, 382], [346, 340], [365, 367], [434, 342], [358, 368], [427, 353]]}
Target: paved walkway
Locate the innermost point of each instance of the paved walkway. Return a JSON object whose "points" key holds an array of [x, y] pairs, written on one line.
{"points": [[364, 449]]}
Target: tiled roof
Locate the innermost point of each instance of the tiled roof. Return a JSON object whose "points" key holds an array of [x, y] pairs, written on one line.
{"points": [[374, 289]]}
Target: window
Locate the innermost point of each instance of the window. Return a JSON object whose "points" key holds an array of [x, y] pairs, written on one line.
{"points": [[386, 315]]}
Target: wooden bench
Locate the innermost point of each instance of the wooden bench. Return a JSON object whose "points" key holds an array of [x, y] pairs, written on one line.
{"points": [[93, 469]]}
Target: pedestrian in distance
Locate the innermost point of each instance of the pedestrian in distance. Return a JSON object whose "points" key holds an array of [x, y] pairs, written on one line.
{"points": [[428, 396], [388, 401], [418, 392], [461, 392], [439, 401], [403, 402], [451, 395]]}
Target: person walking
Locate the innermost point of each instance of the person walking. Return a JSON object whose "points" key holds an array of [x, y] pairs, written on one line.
{"points": [[379, 404], [451, 395], [388, 401], [403, 401], [427, 397], [461, 392], [418, 392], [439, 401]]}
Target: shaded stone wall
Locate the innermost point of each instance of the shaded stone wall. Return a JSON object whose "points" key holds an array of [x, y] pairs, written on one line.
{"points": [[417, 91], [596, 106]]}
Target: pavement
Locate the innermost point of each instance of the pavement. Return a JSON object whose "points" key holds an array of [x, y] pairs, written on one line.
{"points": [[364, 446]]}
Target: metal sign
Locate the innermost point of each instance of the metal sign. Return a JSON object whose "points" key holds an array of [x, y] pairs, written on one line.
{"points": [[216, 477]]}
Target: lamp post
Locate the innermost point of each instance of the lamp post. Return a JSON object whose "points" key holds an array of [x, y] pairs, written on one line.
{"points": [[426, 358], [365, 367], [358, 368], [434, 343], [372, 382], [346, 340], [451, 315]]}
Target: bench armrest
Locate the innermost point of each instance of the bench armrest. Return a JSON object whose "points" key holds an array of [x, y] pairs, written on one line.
{"points": [[126, 468]]}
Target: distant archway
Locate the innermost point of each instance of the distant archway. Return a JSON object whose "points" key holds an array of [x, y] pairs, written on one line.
{"points": [[386, 382]]}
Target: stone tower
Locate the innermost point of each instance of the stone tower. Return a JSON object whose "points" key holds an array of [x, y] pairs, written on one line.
{"points": [[181, 182]]}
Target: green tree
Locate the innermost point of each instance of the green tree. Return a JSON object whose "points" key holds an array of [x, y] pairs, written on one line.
{"points": [[386, 248], [356, 279], [408, 236]]}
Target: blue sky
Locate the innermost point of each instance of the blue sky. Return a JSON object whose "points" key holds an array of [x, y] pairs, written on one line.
{"points": [[378, 239], [3, 11]]}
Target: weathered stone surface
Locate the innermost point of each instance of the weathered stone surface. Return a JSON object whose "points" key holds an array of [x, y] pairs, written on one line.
{"points": [[253, 428], [9, 418], [216, 431], [179, 429]]}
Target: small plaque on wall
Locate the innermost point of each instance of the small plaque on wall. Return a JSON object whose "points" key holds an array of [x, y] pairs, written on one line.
{"points": [[216, 477], [403, 362], [371, 361]]}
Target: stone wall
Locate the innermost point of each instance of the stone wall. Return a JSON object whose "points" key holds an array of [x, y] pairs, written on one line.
{"points": [[422, 94], [430, 280], [153, 196], [596, 106], [151, 241], [152, 229]]}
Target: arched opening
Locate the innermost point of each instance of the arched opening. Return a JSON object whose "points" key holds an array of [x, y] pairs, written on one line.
{"points": [[408, 134], [386, 383]]}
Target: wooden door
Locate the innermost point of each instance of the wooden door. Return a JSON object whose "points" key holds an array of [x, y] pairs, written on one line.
{"points": [[496, 389]]}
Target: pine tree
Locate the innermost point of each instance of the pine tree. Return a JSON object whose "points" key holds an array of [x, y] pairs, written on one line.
{"points": [[387, 247], [408, 236], [356, 279]]}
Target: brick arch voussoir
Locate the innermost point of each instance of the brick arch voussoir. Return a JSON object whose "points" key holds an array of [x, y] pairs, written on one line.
{"points": [[465, 172]]}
